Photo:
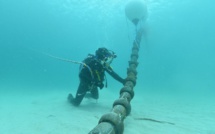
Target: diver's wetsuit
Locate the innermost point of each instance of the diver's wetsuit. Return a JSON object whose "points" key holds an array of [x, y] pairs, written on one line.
{"points": [[92, 77]]}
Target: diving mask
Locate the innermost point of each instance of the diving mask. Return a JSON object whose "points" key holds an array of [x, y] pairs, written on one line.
{"points": [[109, 58]]}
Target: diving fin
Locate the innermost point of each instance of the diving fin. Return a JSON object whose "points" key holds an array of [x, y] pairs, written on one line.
{"points": [[70, 97], [72, 100]]}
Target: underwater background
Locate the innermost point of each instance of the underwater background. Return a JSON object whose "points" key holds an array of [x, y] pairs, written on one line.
{"points": [[176, 71], [176, 55]]}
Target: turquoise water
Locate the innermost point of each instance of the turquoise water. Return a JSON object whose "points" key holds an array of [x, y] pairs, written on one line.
{"points": [[177, 56], [176, 59]]}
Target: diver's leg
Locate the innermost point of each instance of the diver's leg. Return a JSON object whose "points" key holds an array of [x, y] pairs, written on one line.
{"points": [[82, 89], [95, 93]]}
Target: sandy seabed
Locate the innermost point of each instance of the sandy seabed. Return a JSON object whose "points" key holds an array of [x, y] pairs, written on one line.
{"points": [[48, 112]]}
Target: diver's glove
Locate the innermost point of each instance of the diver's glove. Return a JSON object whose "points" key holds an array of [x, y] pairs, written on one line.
{"points": [[124, 81], [100, 85]]}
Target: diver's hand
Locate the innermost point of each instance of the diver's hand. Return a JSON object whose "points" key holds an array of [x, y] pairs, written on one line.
{"points": [[100, 85], [124, 81]]}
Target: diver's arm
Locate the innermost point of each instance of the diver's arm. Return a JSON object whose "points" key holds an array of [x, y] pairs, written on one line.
{"points": [[115, 75]]}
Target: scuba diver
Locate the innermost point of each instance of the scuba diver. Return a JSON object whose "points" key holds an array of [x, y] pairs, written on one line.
{"points": [[92, 75]]}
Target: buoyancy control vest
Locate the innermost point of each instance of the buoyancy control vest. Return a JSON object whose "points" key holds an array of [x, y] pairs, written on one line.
{"points": [[92, 70]]}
